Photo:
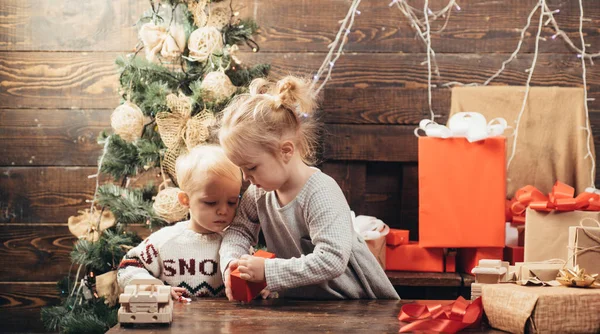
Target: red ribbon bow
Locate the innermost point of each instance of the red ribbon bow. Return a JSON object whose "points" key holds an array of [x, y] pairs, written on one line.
{"points": [[560, 199], [439, 318]]}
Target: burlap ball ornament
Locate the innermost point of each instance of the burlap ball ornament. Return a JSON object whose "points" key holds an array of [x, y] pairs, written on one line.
{"points": [[127, 120], [85, 226], [203, 42], [219, 17], [167, 206], [217, 86]]}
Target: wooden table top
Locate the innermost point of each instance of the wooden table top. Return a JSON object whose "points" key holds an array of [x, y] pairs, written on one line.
{"points": [[283, 315]]}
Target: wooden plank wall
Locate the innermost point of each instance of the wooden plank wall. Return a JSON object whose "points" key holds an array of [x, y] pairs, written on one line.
{"points": [[58, 86]]}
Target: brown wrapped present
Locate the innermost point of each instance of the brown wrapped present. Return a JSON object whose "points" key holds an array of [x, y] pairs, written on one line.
{"points": [[518, 309], [547, 233], [584, 248]]}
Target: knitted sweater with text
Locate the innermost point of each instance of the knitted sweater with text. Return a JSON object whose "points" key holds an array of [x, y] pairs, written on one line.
{"points": [[178, 256]]}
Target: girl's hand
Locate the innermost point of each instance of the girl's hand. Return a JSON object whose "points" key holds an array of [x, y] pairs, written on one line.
{"points": [[177, 292], [231, 267], [252, 268], [266, 294]]}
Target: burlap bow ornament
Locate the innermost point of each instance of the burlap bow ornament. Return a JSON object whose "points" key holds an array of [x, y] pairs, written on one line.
{"points": [[169, 43], [88, 225], [180, 131]]}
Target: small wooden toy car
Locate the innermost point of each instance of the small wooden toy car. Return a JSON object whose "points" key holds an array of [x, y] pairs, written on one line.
{"points": [[146, 300]]}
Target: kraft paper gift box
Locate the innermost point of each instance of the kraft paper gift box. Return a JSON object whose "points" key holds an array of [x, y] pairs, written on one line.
{"points": [[520, 309], [374, 232], [462, 191], [544, 271], [377, 248], [246, 291], [547, 233], [412, 257], [468, 258], [584, 248]]}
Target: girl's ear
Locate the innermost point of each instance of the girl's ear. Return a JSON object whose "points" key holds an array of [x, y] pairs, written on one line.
{"points": [[287, 150], [183, 198]]}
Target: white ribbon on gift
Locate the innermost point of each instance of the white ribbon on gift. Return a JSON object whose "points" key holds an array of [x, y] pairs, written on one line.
{"points": [[370, 228], [470, 125]]}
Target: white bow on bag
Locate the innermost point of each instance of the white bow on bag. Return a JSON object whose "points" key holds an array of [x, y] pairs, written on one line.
{"points": [[470, 125]]}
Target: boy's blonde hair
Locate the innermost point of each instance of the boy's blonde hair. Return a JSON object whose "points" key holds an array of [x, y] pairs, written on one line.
{"points": [[191, 168], [272, 111]]}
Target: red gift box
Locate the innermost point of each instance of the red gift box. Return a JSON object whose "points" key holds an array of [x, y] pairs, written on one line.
{"points": [[243, 290], [396, 237], [412, 257], [514, 254], [468, 258], [462, 191]]}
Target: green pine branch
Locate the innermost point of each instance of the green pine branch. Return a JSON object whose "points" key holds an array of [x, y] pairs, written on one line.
{"points": [[241, 77], [128, 205], [106, 253], [240, 32], [121, 159]]}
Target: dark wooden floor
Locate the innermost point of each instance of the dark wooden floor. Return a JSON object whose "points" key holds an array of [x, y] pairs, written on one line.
{"points": [[284, 316]]}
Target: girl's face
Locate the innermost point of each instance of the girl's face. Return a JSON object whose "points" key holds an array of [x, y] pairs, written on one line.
{"points": [[263, 169]]}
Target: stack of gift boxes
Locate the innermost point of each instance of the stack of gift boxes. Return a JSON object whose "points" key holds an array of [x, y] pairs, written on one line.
{"points": [[462, 190], [464, 215], [463, 206]]}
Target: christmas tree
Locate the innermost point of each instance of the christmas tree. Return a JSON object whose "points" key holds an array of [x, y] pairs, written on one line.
{"points": [[182, 75]]}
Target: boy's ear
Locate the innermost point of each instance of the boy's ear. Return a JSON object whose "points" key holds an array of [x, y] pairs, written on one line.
{"points": [[287, 150], [183, 198]]}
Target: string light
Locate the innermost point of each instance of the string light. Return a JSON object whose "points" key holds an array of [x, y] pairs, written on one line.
{"points": [[527, 85], [422, 28], [423, 31], [580, 53], [336, 47], [585, 100]]}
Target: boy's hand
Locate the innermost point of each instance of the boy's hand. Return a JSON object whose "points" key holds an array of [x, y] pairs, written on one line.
{"points": [[177, 292], [231, 267], [252, 268]]}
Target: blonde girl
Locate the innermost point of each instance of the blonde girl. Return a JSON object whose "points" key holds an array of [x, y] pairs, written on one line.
{"points": [[271, 134]]}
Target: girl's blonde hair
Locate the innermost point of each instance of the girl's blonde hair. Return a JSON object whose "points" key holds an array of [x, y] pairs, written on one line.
{"points": [[272, 111], [191, 168]]}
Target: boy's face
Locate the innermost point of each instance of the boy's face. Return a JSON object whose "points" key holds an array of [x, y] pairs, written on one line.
{"points": [[213, 204]]}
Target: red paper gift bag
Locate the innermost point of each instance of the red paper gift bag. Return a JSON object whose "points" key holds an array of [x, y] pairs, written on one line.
{"points": [[462, 192]]}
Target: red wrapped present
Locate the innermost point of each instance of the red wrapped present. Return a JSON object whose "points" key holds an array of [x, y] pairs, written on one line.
{"points": [[561, 198], [514, 254], [243, 290], [397, 237], [412, 257], [462, 192], [468, 258]]}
